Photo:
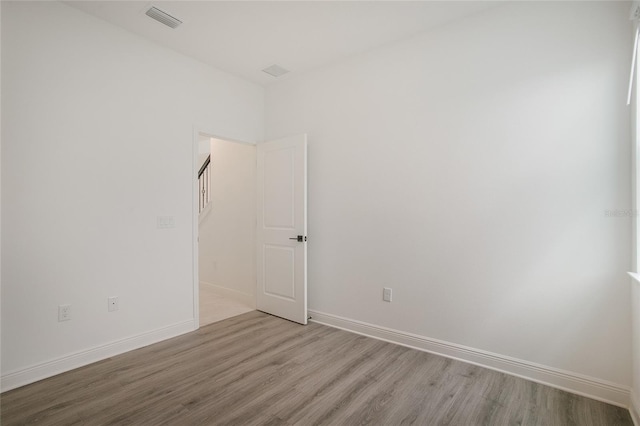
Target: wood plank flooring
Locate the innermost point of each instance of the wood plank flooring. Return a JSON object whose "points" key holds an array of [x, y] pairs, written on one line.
{"points": [[255, 369]]}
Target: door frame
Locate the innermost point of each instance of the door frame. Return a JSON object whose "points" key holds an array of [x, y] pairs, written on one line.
{"points": [[197, 131]]}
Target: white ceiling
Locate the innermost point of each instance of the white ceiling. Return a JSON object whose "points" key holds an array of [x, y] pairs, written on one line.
{"points": [[243, 37]]}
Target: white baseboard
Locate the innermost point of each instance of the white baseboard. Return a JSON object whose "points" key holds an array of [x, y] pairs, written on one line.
{"points": [[41, 371], [238, 296], [634, 408], [571, 382]]}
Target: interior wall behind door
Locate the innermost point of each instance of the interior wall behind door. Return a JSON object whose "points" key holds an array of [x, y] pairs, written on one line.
{"points": [[227, 225]]}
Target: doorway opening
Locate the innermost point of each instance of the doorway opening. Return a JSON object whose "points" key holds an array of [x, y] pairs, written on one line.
{"points": [[226, 228]]}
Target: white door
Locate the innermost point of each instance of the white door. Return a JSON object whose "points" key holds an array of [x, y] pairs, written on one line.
{"points": [[282, 228]]}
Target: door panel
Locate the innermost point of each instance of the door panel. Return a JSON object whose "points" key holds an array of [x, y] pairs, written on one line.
{"points": [[279, 178], [279, 273], [282, 217]]}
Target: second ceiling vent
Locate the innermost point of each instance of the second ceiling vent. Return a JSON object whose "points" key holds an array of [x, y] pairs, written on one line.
{"points": [[163, 17], [275, 70]]}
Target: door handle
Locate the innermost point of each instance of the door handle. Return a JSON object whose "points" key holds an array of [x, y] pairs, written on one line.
{"points": [[299, 238]]}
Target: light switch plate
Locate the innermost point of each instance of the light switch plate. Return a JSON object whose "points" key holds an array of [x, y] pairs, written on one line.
{"points": [[165, 222]]}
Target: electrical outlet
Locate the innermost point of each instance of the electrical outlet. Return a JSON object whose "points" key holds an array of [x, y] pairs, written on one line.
{"points": [[112, 303], [386, 294], [64, 313]]}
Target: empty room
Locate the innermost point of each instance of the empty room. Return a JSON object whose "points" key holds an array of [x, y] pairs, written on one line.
{"points": [[458, 244]]}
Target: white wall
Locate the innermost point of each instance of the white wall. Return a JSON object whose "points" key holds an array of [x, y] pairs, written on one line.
{"points": [[0, 188], [227, 227], [97, 142], [635, 290], [470, 170]]}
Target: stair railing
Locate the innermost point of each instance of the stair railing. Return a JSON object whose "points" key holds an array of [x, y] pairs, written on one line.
{"points": [[204, 190]]}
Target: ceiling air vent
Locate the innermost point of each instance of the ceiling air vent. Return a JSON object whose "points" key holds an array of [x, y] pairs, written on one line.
{"points": [[275, 70], [163, 17]]}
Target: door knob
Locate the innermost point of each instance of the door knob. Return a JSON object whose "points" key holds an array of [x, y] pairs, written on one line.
{"points": [[299, 238]]}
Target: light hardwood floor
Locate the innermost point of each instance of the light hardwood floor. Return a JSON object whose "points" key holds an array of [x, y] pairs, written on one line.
{"points": [[255, 369], [215, 307]]}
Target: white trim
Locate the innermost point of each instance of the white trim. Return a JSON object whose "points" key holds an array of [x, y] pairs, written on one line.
{"points": [[633, 64], [635, 276], [195, 226], [65, 363], [601, 390], [238, 296]]}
